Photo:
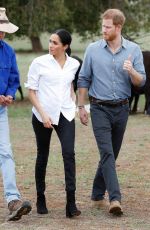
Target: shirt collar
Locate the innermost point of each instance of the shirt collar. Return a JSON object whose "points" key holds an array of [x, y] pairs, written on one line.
{"points": [[124, 43], [104, 44], [52, 58]]}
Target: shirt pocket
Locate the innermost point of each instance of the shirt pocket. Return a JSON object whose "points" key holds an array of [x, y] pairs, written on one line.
{"points": [[5, 65], [119, 66], [5, 69]]}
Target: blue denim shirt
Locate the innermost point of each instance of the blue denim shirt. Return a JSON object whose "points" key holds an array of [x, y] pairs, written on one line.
{"points": [[102, 71], [9, 74]]}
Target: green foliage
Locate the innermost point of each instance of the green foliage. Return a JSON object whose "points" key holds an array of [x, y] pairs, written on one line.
{"points": [[35, 16], [137, 17], [86, 14]]}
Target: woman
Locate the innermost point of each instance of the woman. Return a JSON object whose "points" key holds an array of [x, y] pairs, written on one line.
{"points": [[50, 91]]}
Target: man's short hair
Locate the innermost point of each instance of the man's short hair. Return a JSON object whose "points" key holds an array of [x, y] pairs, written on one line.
{"points": [[116, 15]]}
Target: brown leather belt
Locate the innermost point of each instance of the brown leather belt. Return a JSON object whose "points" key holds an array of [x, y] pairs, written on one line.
{"points": [[108, 103]]}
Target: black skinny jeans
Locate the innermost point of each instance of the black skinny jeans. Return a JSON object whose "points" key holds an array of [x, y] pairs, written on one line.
{"points": [[66, 134]]}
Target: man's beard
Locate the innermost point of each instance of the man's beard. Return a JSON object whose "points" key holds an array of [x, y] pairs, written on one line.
{"points": [[110, 37]]}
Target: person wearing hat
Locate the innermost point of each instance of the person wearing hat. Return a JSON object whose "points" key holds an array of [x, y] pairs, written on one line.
{"points": [[9, 82]]}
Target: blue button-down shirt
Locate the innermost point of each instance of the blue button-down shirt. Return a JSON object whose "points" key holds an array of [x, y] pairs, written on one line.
{"points": [[102, 71], [9, 74]]}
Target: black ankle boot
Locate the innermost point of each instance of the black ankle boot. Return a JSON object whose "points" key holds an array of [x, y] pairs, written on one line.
{"points": [[71, 208], [41, 204]]}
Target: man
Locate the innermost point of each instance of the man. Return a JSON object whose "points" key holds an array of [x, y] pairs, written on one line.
{"points": [[110, 66], [9, 82]]}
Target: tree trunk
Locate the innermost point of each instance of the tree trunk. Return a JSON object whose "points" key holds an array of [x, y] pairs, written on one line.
{"points": [[36, 44]]}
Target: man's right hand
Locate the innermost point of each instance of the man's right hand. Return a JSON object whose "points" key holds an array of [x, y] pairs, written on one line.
{"points": [[83, 116]]}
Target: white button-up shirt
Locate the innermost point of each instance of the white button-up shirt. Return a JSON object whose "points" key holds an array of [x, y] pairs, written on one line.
{"points": [[53, 86]]}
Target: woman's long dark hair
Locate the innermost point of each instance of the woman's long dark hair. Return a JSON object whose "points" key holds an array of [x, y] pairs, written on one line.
{"points": [[65, 38]]}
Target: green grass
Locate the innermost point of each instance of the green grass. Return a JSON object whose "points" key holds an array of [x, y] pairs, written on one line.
{"points": [[134, 181], [78, 45], [132, 168], [24, 112]]}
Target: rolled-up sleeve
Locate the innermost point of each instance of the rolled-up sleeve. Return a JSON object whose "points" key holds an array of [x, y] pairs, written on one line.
{"points": [[14, 79], [138, 64], [85, 73], [33, 76]]}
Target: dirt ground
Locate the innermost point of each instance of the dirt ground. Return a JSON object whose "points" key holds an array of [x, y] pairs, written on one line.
{"points": [[132, 167]]}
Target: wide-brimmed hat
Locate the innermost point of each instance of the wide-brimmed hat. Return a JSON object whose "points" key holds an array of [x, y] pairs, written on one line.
{"points": [[5, 25]]}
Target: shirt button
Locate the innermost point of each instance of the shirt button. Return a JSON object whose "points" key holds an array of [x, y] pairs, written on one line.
{"points": [[112, 71]]}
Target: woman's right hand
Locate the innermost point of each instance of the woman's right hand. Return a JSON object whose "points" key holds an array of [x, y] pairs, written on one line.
{"points": [[47, 122]]}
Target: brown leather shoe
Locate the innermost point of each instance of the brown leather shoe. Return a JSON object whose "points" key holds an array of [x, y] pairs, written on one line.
{"points": [[115, 208], [100, 203], [18, 208]]}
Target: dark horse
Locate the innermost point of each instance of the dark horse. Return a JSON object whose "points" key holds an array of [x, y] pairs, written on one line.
{"points": [[21, 92], [136, 91], [77, 73]]}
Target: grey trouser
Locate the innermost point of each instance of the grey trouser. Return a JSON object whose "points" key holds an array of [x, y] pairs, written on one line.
{"points": [[109, 124]]}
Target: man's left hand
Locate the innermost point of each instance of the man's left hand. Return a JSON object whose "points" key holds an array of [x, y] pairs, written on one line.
{"points": [[128, 65]]}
